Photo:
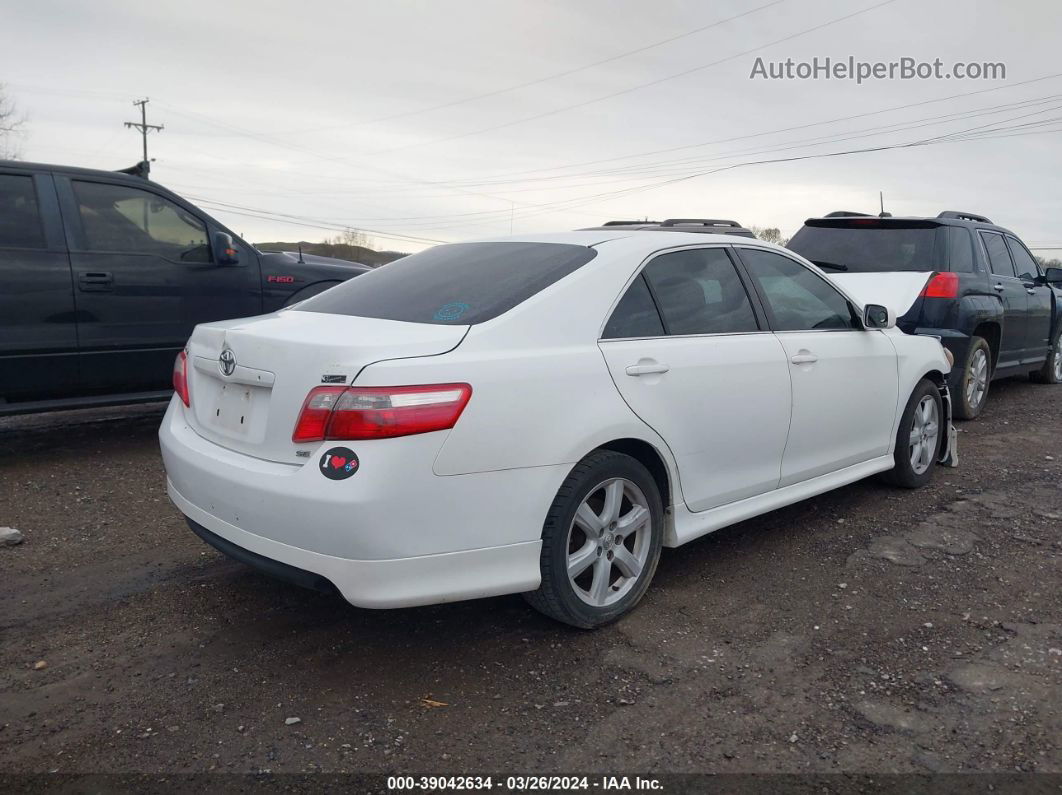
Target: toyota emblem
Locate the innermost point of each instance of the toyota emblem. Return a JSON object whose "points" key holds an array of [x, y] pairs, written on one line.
{"points": [[227, 362]]}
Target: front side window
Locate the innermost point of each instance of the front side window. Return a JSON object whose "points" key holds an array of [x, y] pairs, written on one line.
{"points": [[998, 258], [1024, 263], [453, 285], [20, 218], [799, 300], [126, 219], [699, 292]]}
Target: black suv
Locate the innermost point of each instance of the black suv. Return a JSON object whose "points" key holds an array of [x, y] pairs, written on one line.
{"points": [[105, 275], [985, 296]]}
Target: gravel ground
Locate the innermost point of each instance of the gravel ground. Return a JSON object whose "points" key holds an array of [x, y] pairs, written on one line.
{"points": [[867, 630]]}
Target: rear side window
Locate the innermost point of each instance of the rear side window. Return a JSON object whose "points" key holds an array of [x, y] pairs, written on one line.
{"points": [[962, 260], [872, 246], [1024, 263], [799, 300], [126, 219], [998, 257], [635, 315], [453, 285], [699, 292], [20, 219]]}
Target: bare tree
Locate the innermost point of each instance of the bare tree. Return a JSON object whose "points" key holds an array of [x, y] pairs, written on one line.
{"points": [[11, 127], [771, 234]]}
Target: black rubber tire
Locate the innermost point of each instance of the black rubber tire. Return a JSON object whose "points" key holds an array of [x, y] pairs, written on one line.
{"points": [[963, 410], [556, 597], [902, 474], [1046, 374]]}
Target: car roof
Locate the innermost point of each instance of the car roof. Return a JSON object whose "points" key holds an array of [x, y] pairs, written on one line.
{"points": [[85, 172], [642, 242]]}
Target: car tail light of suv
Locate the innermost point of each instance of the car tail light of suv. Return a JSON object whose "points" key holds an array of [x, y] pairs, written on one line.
{"points": [[180, 378], [379, 412], [942, 285]]}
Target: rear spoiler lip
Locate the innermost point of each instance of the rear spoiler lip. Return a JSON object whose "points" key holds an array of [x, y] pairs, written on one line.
{"points": [[872, 222]]}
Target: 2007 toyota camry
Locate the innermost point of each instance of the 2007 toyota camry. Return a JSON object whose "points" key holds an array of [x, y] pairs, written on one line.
{"points": [[541, 415]]}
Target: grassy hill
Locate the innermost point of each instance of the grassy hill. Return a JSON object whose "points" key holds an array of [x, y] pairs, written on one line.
{"points": [[366, 256]]}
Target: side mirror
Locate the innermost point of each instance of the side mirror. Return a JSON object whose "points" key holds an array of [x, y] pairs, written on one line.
{"points": [[225, 252], [1053, 276], [876, 316]]}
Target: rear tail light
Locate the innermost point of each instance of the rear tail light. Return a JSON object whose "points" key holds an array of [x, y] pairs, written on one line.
{"points": [[379, 412], [943, 285], [180, 378]]}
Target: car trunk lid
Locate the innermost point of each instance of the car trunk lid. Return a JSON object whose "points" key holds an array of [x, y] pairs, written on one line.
{"points": [[248, 378]]}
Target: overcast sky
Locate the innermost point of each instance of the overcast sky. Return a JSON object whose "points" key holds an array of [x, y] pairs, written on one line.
{"points": [[453, 120]]}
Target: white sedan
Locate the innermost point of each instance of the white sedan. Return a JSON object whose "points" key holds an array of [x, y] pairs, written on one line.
{"points": [[541, 415]]}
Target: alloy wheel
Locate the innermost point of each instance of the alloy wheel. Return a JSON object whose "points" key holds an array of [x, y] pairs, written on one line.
{"points": [[977, 379], [609, 542], [925, 428]]}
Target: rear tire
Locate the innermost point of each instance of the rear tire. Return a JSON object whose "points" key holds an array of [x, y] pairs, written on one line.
{"points": [[1051, 372], [918, 438], [976, 378], [601, 541]]}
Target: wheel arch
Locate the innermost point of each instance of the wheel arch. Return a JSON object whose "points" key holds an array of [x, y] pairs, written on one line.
{"points": [[992, 333], [648, 456]]}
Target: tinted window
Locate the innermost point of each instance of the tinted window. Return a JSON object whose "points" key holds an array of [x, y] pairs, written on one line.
{"points": [[699, 292], [798, 299], [863, 248], [1024, 264], [962, 260], [453, 285], [20, 220], [998, 258], [635, 315], [122, 218]]}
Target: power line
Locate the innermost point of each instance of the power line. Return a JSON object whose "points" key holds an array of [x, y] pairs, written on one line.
{"points": [[537, 80], [891, 109], [568, 204], [638, 87]]}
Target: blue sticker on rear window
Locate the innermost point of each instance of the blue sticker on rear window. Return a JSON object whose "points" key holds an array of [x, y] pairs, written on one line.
{"points": [[449, 312]]}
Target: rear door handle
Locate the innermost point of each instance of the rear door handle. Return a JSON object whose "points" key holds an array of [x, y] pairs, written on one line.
{"points": [[998, 288], [803, 357], [647, 369], [95, 281]]}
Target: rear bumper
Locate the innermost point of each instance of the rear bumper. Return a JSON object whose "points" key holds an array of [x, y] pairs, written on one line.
{"points": [[403, 582], [393, 535]]}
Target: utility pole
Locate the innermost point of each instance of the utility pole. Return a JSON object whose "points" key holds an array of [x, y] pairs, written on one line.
{"points": [[144, 128]]}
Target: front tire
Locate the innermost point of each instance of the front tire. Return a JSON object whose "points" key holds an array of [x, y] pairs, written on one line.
{"points": [[918, 438], [601, 541], [1051, 372], [976, 377]]}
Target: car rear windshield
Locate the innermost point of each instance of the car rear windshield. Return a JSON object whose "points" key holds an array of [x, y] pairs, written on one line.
{"points": [[453, 285], [872, 246]]}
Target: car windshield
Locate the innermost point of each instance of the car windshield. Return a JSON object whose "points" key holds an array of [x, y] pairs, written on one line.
{"points": [[453, 285], [859, 248]]}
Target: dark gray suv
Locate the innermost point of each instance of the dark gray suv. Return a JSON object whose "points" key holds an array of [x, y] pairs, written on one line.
{"points": [[985, 295]]}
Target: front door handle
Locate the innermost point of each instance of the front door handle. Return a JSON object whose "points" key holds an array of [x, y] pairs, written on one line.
{"points": [[998, 287], [1030, 291], [95, 281], [803, 356], [654, 368]]}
